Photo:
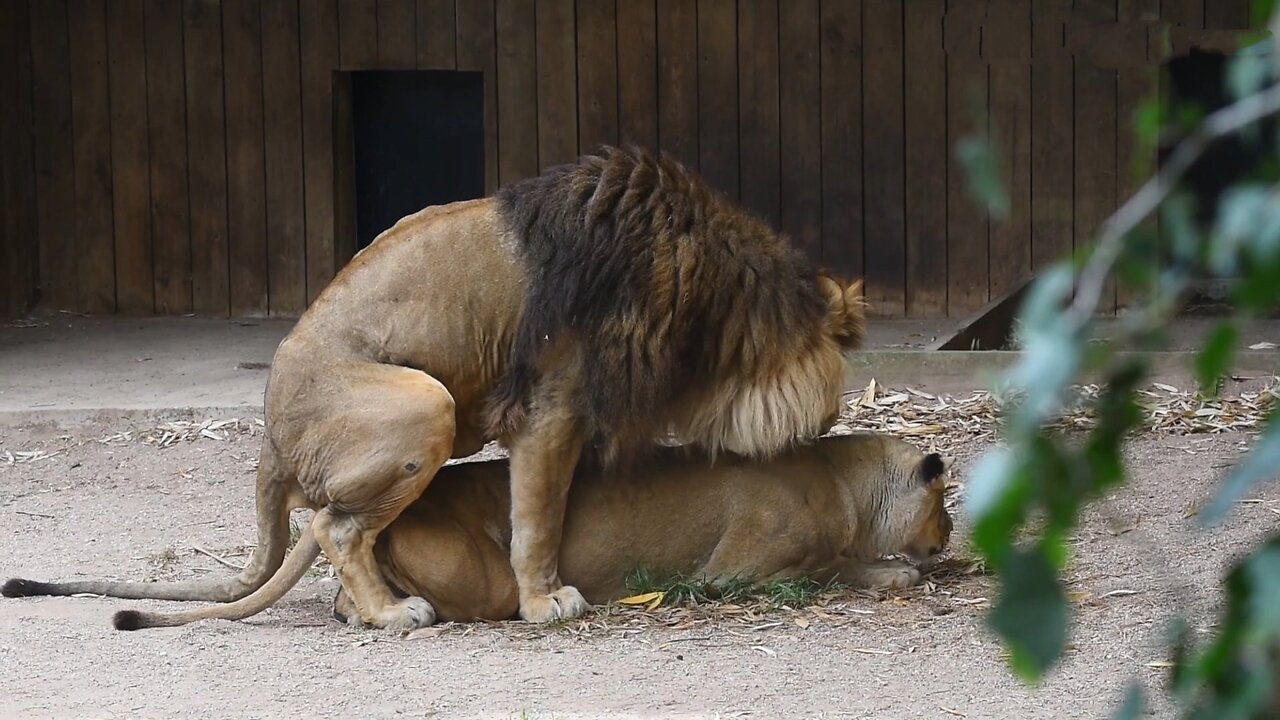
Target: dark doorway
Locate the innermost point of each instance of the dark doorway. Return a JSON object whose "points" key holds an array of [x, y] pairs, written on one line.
{"points": [[1197, 86], [419, 141]]}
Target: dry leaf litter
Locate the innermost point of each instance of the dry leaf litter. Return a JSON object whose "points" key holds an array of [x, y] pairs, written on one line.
{"points": [[936, 422]]}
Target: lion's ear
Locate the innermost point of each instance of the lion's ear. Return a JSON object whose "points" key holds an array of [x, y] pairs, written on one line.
{"points": [[853, 295], [931, 468], [831, 291]]}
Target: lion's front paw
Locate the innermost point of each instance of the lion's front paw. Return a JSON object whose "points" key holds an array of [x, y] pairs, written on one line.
{"points": [[563, 604], [409, 613]]}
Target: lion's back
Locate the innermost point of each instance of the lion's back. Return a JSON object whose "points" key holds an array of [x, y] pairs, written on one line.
{"points": [[427, 293]]}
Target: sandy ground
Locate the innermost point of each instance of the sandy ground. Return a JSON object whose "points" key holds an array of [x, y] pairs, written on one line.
{"points": [[126, 509]]}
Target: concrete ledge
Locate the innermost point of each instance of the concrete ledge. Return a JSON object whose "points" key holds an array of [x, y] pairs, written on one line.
{"points": [[958, 370], [935, 371], [125, 417]]}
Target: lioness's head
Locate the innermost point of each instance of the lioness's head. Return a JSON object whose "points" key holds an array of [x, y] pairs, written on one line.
{"points": [[927, 509], [898, 491]]}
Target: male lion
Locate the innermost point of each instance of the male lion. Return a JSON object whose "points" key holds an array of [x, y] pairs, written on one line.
{"points": [[602, 304], [824, 511]]}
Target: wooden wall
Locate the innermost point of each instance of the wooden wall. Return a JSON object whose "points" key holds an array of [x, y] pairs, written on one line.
{"points": [[178, 156]]}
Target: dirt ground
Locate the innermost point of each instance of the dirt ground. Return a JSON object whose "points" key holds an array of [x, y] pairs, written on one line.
{"points": [[88, 502]]}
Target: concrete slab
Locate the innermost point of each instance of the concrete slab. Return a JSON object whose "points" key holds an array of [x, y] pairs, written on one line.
{"points": [[69, 367], [69, 363]]}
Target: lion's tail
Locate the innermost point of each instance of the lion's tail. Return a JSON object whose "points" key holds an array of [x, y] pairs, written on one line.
{"points": [[273, 542], [295, 566]]}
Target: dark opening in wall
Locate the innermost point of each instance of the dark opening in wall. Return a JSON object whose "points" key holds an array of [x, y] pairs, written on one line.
{"points": [[1196, 85], [418, 140]]}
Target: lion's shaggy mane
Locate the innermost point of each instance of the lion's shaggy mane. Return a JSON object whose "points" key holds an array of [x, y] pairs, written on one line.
{"points": [[659, 282]]}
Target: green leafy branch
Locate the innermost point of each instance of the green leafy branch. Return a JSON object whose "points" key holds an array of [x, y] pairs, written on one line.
{"points": [[1025, 497]]}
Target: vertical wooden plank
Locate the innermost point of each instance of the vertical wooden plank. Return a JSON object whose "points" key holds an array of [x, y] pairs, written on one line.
{"points": [[54, 153], [477, 51], [19, 254], [801, 126], [246, 181], [638, 73], [1010, 127], [718, 94], [841, 62], [758, 108], [206, 156], [927, 156], [358, 34], [678, 80], [1095, 140], [130, 157], [167, 125], [1052, 153], [318, 37], [967, 260], [1226, 14], [883, 154], [344, 171], [1134, 163], [437, 35], [397, 34], [282, 136], [597, 75], [557, 82], [517, 91], [1187, 13], [91, 122]]}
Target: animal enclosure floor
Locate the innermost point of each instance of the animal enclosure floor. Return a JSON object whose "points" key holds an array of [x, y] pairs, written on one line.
{"points": [[92, 502]]}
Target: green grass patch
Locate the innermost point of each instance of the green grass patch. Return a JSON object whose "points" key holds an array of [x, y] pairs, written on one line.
{"points": [[679, 589]]}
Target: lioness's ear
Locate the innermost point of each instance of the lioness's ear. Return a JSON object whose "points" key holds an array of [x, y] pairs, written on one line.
{"points": [[932, 468]]}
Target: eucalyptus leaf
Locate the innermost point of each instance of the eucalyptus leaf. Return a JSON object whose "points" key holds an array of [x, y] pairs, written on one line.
{"points": [[1262, 463], [1132, 706], [1262, 571], [989, 482], [1260, 10], [1215, 357], [981, 161], [1045, 299], [1031, 614], [1178, 227], [1247, 73]]}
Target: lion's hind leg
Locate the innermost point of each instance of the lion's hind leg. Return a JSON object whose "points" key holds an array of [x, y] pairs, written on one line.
{"points": [[396, 430]]}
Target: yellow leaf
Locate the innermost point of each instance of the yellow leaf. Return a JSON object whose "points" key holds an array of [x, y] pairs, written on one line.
{"points": [[643, 599], [656, 602]]}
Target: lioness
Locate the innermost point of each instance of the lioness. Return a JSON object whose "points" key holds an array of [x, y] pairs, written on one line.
{"points": [[824, 511], [603, 304]]}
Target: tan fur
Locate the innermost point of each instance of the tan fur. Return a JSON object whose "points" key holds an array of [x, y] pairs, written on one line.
{"points": [[827, 511], [390, 372]]}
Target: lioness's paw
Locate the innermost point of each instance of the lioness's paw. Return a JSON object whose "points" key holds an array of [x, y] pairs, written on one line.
{"points": [[563, 604], [893, 577], [572, 604], [410, 613]]}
